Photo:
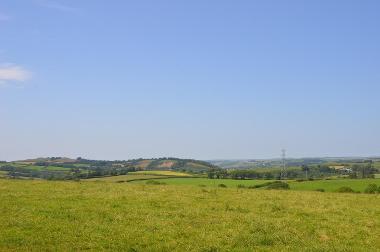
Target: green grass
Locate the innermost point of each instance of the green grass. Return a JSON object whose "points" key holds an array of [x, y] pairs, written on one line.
{"points": [[62, 216], [125, 178], [210, 182], [327, 185], [163, 173], [334, 184]]}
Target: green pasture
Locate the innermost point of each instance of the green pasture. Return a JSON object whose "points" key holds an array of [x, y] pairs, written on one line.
{"points": [[71, 216], [333, 184], [327, 185]]}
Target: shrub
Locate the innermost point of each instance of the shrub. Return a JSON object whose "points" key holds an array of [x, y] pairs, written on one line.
{"points": [[320, 190], [261, 185], [345, 189], [278, 185], [371, 188], [222, 185], [155, 182]]}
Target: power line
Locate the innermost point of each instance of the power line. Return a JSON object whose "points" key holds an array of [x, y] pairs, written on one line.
{"points": [[283, 170]]}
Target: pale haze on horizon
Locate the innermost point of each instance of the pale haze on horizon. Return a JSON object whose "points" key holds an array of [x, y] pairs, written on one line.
{"points": [[189, 79]]}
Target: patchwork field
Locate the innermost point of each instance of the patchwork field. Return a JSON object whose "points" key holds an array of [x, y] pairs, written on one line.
{"points": [[61, 216], [141, 175]]}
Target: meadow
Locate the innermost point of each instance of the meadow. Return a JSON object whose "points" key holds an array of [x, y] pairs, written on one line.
{"points": [[332, 185], [39, 215]]}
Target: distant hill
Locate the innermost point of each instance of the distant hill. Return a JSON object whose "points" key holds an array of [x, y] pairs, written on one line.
{"points": [[52, 160], [67, 168], [174, 164], [138, 164], [290, 162]]}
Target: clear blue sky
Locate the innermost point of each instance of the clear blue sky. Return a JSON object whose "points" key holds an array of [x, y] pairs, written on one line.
{"points": [[198, 79]]}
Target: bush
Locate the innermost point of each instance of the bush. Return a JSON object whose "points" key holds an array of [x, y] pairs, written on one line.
{"points": [[300, 180], [345, 189], [320, 190], [155, 182], [261, 185], [371, 188], [278, 185], [222, 185]]}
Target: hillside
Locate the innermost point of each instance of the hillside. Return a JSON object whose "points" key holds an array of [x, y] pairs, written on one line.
{"points": [[67, 168], [174, 164]]}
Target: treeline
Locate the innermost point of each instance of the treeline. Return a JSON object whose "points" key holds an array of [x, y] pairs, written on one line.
{"points": [[364, 170], [72, 173], [24, 172]]}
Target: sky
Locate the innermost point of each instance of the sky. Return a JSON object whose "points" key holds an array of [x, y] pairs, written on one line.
{"points": [[196, 79]]}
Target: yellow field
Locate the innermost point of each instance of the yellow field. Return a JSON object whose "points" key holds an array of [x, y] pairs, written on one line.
{"points": [[125, 178], [162, 173]]}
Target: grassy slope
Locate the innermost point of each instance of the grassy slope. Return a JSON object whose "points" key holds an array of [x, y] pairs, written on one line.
{"points": [[327, 185], [43, 215]]}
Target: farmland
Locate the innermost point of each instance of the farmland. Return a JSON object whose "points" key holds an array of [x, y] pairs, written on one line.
{"points": [[141, 176], [52, 215], [172, 204], [330, 185]]}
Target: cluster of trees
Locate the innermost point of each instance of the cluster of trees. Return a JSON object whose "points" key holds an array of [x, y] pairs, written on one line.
{"points": [[17, 172], [72, 172], [98, 171], [365, 170]]}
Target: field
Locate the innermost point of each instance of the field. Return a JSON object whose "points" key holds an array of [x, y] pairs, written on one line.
{"points": [[51, 215], [163, 173], [334, 184], [209, 182], [327, 185], [141, 175]]}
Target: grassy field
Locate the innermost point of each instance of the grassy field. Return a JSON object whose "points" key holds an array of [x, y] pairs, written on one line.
{"points": [[3, 173], [209, 182], [332, 185], [36, 167], [125, 178], [141, 175], [61, 216], [327, 185], [163, 173]]}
